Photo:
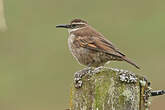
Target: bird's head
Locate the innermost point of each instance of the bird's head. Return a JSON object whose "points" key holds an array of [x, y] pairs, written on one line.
{"points": [[74, 25]]}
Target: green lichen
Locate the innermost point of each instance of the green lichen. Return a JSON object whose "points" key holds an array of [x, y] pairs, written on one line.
{"points": [[101, 90]]}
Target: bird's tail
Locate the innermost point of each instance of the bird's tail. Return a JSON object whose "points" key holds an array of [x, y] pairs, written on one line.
{"points": [[130, 62]]}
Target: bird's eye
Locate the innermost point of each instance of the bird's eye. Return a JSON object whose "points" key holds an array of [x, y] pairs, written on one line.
{"points": [[73, 25]]}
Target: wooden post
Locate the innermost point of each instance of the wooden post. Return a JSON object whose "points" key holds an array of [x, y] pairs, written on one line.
{"points": [[109, 89]]}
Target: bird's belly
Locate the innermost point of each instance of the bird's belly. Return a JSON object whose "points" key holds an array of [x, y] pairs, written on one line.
{"points": [[88, 57]]}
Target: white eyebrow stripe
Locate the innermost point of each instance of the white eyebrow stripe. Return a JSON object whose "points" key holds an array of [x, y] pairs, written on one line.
{"points": [[72, 30], [78, 23]]}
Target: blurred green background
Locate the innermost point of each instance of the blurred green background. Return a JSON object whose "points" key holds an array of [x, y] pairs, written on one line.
{"points": [[36, 67]]}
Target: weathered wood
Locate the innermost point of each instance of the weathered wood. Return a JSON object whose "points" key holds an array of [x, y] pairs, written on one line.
{"points": [[109, 89]]}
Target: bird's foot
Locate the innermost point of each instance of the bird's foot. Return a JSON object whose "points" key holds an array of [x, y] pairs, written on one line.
{"points": [[97, 70]]}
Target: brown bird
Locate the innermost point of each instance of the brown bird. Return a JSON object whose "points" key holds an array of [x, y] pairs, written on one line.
{"points": [[90, 47]]}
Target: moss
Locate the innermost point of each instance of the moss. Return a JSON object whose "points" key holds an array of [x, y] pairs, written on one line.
{"points": [[101, 88], [121, 97]]}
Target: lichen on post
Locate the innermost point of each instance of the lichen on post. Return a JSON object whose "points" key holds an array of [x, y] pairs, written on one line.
{"points": [[109, 89]]}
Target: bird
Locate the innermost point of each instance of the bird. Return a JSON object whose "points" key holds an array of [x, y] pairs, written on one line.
{"points": [[90, 47]]}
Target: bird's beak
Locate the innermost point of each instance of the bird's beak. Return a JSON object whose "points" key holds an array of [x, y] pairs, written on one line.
{"points": [[63, 26]]}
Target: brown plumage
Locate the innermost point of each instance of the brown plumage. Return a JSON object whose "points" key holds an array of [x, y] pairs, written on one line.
{"points": [[90, 47]]}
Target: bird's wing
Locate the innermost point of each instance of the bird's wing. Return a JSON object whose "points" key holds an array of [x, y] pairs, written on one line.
{"points": [[101, 45], [97, 44], [110, 45]]}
